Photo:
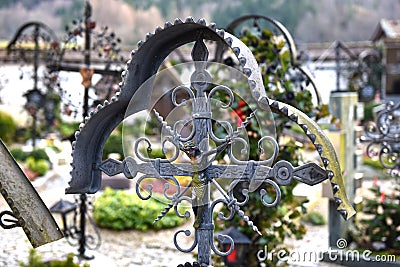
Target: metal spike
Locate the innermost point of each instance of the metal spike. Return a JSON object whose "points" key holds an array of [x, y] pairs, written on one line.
{"points": [[189, 20], [212, 26], [343, 213], [338, 201], [242, 61], [304, 127], [312, 137], [294, 117], [229, 41], [247, 72], [320, 148], [149, 35], [140, 43], [202, 21], [178, 21], [167, 24], [106, 103], [252, 84], [236, 50], [158, 29], [275, 105], [221, 33], [284, 110], [325, 161], [335, 188]]}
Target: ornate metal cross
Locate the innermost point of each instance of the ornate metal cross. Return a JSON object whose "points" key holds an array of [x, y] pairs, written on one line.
{"points": [[201, 145], [202, 169]]}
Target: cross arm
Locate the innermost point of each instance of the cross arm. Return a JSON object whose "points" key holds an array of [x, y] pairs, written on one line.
{"points": [[282, 172]]}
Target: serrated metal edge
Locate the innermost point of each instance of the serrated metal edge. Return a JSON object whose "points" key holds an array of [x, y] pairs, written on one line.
{"points": [[343, 205]]}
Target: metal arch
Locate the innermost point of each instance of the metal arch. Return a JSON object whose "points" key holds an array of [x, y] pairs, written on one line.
{"points": [[288, 37], [289, 41], [27, 25], [87, 150]]}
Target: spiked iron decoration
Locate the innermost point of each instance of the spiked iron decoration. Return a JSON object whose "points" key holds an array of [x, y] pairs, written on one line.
{"points": [[383, 136], [145, 62]]}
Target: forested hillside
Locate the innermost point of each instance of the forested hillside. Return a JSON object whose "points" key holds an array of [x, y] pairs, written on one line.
{"points": [[307, 20]]}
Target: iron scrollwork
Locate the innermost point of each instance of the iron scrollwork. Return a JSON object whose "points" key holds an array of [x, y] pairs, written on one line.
{"points": [[201, 145], [203, 171], [383, 136]]}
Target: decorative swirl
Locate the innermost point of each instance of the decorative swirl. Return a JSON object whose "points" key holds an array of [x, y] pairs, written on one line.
{"points": [[278, 196], [6, 223], [187, 233], [388, 157], [272, 141], [187, 213], [185, 123], [221, 238], [242, 152], [221, 214], [93, 242], [373, 150], [220, 103], [183, 101], [383, 136], [166, 187], [245, 193], [149, 187], [137, 153], [149, 149], [227, 126]]}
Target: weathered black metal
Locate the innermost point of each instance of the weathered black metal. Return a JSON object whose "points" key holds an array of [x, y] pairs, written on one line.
{"points": [[383, 136], [145, 62]]}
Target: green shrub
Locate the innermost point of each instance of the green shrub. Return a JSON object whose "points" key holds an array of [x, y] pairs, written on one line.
{"points": [[120, 210], [19, 154], [315, 218], [113, 145], [39, 154], [40, 166], [35, 260], [7, 127]]}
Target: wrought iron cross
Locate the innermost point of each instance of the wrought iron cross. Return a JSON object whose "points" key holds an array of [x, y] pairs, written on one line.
{"points": [[383, 136], [202, 168]]}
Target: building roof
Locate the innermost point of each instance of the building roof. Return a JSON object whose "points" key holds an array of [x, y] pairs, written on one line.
{"points": [[386, 29]]}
